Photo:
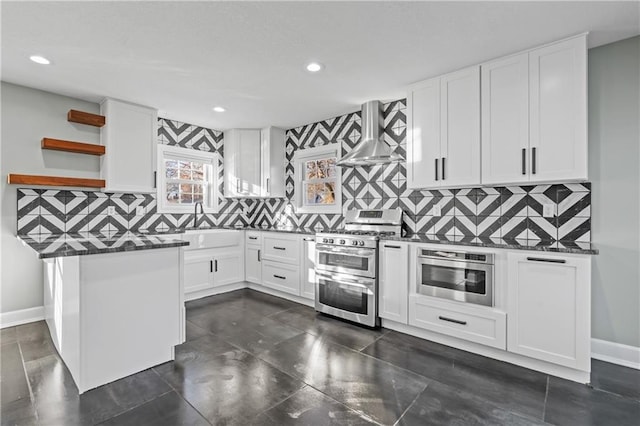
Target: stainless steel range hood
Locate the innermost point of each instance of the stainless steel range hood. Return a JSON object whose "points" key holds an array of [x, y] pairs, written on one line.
{"points": [[372, 149]]}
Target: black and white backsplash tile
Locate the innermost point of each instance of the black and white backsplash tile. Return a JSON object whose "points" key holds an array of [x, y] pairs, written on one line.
{"points": [[513, 212]]}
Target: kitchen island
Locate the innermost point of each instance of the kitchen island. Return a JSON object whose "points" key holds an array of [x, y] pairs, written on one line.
{"points": [[114, 302]]}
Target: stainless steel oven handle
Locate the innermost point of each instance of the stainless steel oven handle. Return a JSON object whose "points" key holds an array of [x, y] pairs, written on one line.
{"points": [[459, 264], [352, 251], [365, 283]]}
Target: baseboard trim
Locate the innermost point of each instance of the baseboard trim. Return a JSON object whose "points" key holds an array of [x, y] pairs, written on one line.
{"points": [[22, 316], [616, 353]]}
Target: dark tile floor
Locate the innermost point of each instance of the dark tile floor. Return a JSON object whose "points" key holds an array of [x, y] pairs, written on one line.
{"points": [[255, 359]]}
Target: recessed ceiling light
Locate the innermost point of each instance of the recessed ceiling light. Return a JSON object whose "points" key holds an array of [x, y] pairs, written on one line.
{"points": [[314, 67], [40, 60], [219, 109]]}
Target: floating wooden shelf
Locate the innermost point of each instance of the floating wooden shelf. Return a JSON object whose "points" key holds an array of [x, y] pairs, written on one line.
{"points": [[55, 181], [86, 118], [70, 146]]}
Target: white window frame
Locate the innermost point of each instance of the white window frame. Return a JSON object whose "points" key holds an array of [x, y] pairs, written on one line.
{"points": [[186, 154], [317, 153]]}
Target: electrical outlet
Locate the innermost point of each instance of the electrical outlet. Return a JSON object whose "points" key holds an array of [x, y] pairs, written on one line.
{"points": [[436, 210], [245, 210], [140, 211], [548, 210], [111, 210]]}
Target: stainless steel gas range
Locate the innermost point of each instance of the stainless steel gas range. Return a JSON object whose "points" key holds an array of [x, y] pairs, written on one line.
{"points": [[347, 265]]}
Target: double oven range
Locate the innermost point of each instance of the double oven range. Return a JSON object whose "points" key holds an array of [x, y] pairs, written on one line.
{"points": [[347, 265]]}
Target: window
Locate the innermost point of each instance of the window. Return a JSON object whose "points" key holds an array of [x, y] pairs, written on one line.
{"points": [[318, 183], [186, 177]]}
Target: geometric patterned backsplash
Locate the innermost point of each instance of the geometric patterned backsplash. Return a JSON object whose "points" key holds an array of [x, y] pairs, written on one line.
{"points": [[513, 212]]}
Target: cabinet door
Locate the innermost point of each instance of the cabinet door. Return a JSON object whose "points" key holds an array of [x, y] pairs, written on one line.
{"points": [[228, 268], [273, 159], [549, 307], [198, 272], [282, 247], [129, 137], [505, 120], [558, 116], [394, 281], [249, 162], [307, 268], [460, 128], [423, 141], [253, 265]]}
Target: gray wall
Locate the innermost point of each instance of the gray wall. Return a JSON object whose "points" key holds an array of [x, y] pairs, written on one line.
{"points": [[28, 115], [614, 155]]}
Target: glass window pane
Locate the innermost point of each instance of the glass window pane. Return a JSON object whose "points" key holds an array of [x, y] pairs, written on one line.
{"points": [[198, 175], [198, 198], [312, 170], [186, 198], [312, 196], [327, 193], [171, 173], [185, 164], [172, 193], [186, 188], [171, 164], [185, 174], [197, 166]]}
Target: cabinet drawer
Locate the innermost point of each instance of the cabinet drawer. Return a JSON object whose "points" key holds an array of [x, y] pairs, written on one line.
{"points": [[282, 248], [281, 277], [253, 238], [480, 325]]}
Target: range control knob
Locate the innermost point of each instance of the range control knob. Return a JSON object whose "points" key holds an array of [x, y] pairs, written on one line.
{"points": [[324, 240], [342, 241], [361, 242], [330, 241], [354, 243]]}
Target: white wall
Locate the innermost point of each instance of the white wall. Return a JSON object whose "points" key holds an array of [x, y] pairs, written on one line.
{"points": [[614, 154], [27, 116]]}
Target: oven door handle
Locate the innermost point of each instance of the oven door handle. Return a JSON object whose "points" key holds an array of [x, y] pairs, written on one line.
{"points": [[356, 252], [351, 281], [459, 264]]}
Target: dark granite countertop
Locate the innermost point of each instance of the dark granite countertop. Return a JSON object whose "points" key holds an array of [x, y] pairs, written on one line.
{"points": [[499, 243], [60, 245]]}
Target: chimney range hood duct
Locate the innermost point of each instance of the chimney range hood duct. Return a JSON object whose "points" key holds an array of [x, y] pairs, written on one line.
{"points": [[372, 149]]}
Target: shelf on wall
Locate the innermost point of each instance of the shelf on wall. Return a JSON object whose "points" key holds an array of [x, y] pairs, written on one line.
{"points": [[82, 117], [54, 181], [70, 146]]}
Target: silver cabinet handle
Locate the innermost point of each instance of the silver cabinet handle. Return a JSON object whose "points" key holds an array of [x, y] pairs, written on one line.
{"points": [[308, 239], [524, 161], [452, 320], [391, 247], [268, 190], [541, 259]]}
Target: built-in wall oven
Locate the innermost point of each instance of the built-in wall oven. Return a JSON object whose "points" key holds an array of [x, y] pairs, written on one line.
{"points": [[456, 275]]}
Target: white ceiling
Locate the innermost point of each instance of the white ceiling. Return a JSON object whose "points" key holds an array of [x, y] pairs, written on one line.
{"points": [[183, 58]]}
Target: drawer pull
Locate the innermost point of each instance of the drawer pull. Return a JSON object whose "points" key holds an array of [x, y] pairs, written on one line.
{"points": [[216, 265], [211, 266], [393, 247], [452, 320], [253, 238], [541, 259], [279, 248], [279, 277], [259, 260], [308, 239]]}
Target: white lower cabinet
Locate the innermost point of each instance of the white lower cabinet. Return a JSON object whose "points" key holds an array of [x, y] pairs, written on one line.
{"points": [[207, 269], [307, 268], [227, 268], [470, 322], [394, 281], [253, 264], [549, 305], [282, 277], [198, 271]]}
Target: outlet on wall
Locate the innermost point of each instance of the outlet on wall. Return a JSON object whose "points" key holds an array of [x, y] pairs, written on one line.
{"points": [[548, 210], [436, 210]]}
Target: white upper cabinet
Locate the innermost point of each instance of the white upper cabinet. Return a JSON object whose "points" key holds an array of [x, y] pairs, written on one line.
{"points": [[129, 137], [558, 111], [242, 163], [505, 120], [254, 163], [443, 117], [534, 115], [272, 162]]}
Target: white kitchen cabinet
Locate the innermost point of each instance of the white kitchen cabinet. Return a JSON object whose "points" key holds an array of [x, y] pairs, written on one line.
{"points": [[253, 257], [272, 162], [242, 163], [130, 138], [207, 269], [281, 247], [228, 268], [282, 277], [534, 115], [443, 119], [198, 271], [505, 120], [549, 303], [307, 268], [394, 281], [254, 162]]}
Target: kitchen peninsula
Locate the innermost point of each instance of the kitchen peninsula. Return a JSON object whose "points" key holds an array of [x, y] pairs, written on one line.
{"points": [[103, 293]]}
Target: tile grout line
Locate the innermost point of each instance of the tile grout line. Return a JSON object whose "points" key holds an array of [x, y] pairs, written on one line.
{"points": [[546, 395], [360, 413], [280, 402], [131, 408], [412, 402], [387, 331], [179, 394], [24, 370]]}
